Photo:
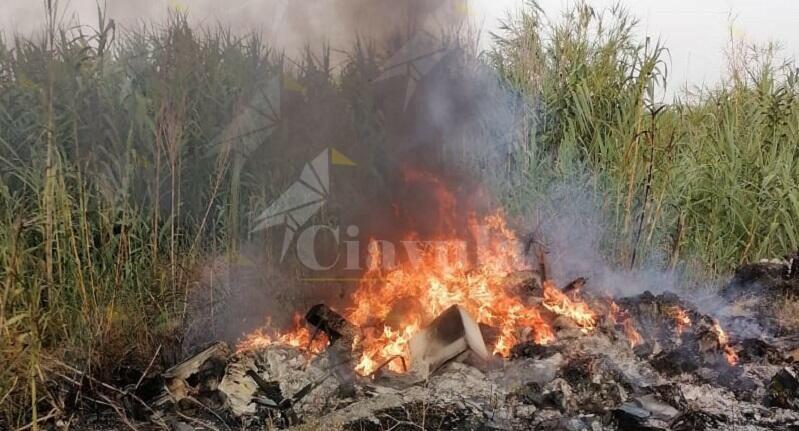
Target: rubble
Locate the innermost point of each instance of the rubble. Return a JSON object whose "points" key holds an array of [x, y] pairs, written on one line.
{"points": [[654, 362], [783, 389], [610, 388], [629, 417], [200, 374], [757, 287], [765, 279], [342, 335]]}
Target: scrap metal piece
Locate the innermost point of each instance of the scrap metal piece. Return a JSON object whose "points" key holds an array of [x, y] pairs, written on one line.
{"points": [[453, 332]]}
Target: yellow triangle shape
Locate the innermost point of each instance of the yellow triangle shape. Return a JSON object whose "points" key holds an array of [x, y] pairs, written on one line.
{"points": [[341, 159], [292, 84], [462, 8], [178, 6]]}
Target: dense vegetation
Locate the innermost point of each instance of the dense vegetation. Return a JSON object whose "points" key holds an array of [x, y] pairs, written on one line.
{"points": [[113, 184], [711, 177]]}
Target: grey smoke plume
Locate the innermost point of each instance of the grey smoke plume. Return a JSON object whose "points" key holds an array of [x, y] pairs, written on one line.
{"points": [[426, 125]]}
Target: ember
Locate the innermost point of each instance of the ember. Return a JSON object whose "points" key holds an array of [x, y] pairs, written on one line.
{"points": [[618, 315], [681, 318], [732, 356], [632, 334]]}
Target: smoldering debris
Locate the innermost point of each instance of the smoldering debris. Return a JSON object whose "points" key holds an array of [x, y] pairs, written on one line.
{"points": [[685, 379]]}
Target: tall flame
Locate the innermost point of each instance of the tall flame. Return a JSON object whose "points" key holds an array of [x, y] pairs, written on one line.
{"points": [[393, 305]]}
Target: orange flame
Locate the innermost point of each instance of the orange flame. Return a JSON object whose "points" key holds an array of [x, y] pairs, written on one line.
{"points": [[681, 319], [732, 356], [632, 334], [628, 325], [560, 304], [614, 311], [720, 333], [390, 306], [299, 336], [394, 305]]}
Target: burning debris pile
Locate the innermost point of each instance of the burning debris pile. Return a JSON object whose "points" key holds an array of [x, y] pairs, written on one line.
{"points": [[448, 346]]}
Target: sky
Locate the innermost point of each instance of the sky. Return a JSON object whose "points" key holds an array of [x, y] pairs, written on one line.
{"points": [[695, 31]]}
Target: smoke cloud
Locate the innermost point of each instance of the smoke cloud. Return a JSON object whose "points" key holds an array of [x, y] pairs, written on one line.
{"points": [[425, 124]]}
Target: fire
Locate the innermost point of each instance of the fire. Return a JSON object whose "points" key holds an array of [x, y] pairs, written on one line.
{"points": [[299, 336], [614, 311], [628, 325], [720, 332], [632, 334], [393, 305], [681, 319], [558, 303], [732, 356]]}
